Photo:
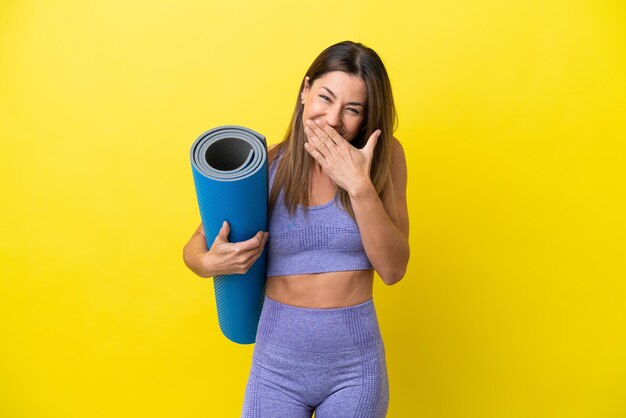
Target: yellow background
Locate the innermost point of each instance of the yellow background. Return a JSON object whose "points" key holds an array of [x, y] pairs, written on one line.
{"points": [[512, 117]]}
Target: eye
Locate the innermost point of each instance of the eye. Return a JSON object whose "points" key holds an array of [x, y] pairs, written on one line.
{"points": [[354, 111], [326, 98]]}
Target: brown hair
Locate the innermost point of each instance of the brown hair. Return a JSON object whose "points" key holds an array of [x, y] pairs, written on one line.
{"points": [[293, 171]]}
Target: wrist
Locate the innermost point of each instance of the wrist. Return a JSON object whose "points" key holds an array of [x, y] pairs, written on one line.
{"points": [[362, 189], [207, 266]]}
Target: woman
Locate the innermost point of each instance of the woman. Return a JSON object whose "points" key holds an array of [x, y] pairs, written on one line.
{"points": [[337, 212]]}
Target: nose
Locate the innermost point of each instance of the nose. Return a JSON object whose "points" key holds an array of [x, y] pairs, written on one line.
{"points": [[333, 117]]}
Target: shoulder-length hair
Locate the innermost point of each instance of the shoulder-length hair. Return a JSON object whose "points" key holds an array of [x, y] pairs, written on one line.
{"points": [[293, 171]]}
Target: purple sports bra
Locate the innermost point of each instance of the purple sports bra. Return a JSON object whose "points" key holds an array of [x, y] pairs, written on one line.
{"points": [[327, 240]]}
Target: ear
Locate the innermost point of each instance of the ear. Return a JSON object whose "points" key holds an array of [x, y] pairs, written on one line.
{"points": [[307, 86], [305, 89]]}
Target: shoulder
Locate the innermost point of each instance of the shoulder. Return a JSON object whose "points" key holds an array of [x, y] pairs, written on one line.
{"points": [[397, 153], [398, 175], [396, 201], [398, 161], [271, 153]]}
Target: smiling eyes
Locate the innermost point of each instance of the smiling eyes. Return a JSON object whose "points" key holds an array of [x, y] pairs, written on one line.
{"points": [[351, 109]]}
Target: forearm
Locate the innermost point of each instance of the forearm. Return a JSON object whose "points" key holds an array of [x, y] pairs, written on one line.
{"points": [[223, 257], [385, 245], [193, 255]]}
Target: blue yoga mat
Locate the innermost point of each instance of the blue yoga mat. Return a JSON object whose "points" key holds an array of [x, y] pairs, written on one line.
{"points": [[229, 165]]}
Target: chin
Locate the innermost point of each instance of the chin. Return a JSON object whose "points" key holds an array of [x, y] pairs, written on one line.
{"points": [[351, 138]]}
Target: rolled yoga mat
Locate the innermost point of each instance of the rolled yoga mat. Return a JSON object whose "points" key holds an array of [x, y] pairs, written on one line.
{"points": [[229, 165]]}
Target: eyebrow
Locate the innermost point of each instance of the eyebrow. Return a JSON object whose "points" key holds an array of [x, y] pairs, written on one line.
{"points": [[335, 97]]}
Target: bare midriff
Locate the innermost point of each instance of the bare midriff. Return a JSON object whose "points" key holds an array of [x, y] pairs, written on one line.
{"points": [[336, 289]]}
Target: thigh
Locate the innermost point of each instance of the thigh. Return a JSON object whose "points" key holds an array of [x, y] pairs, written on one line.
{"points": [[262, 400], [365, 397]]}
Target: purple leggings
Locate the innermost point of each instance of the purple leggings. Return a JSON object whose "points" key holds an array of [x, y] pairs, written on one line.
{"points": [[331, 361]]}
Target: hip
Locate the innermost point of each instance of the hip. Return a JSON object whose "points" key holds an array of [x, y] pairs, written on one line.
{"points": [[319, 330]]}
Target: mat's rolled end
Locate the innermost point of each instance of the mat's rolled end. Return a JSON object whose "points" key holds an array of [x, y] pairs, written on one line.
{"points": [[229, 153]]}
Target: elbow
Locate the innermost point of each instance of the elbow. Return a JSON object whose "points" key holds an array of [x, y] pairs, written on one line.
{"points": [[393, 274], [194, 265], [392, 277], [186, 258]]}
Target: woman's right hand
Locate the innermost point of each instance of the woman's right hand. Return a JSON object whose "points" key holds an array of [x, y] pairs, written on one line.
{"points": [[223, 257]]}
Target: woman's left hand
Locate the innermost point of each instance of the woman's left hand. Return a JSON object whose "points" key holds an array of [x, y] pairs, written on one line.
{"points": [[346, 165]]}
